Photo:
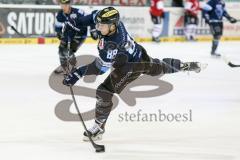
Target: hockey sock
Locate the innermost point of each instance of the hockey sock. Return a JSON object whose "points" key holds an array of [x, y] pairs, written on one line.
{"points": [[214, 46]]}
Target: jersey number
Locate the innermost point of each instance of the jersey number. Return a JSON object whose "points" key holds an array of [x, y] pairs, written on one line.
{"points": [[111, 53]]}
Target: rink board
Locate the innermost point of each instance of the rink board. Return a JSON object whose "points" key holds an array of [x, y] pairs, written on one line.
{"points": [[38, 21]]}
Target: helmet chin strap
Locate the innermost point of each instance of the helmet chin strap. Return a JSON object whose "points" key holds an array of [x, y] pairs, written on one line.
{"points": [[111, 32]]}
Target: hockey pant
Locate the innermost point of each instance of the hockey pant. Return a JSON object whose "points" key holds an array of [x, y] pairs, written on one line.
{"points": [[157, 25], [65, 55], [191, 23], [121, 77]]}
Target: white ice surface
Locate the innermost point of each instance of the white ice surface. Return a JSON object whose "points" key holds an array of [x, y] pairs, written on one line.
{"points": [[30, 130]]}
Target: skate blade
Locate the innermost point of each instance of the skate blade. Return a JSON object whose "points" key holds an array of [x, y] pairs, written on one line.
{"points": [[216, 56], [202, 66], [96, 138]]}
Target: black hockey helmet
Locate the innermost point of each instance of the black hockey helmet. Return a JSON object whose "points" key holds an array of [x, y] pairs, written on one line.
{"points": [[64, 1], [108, 15]]}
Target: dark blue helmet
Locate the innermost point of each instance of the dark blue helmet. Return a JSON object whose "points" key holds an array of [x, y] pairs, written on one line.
{"points": [[108, 15], [64, 1]]}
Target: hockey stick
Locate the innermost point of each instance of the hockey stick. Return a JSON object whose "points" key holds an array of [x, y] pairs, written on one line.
{"points": [[230, 63], [19, 34], [98, 148], [238, 20], [30, 36], [233, 65], [226, 20]]}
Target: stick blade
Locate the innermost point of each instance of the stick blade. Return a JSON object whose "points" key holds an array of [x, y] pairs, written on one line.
{"points": [[233, 65], [99, 148], [229, 63]]}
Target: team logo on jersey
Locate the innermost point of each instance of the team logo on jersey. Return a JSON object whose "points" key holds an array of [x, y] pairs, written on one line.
{"points": [[101, 44], [73, 16], [219, 10]]}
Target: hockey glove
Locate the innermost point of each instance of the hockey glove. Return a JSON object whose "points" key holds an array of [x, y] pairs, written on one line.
{"points": [[59, 35], [72, 78], [232, 20], [94, 34], [207, 21]]}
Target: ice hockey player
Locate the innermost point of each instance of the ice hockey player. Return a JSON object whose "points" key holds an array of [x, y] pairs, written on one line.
{"points": [[213, 13], [66, 33], [128, 59], [157, 15], [191, 19]]}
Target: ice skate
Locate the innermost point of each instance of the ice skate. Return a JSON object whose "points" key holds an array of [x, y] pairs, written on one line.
{"points": [[216, 55], [95, 132], [156, 39], [193, 66]]}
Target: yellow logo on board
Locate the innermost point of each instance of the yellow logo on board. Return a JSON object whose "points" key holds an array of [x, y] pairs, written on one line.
{"points": [[64, 1], [108, 14]]}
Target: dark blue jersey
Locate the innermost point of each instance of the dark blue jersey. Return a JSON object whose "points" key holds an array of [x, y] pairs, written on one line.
{"points": [[72, 17], [110, 46], [118, 43], [214, 11]]}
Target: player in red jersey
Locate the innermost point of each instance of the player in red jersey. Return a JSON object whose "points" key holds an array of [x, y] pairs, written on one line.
{"points": [[192, 8], [157, 14]]}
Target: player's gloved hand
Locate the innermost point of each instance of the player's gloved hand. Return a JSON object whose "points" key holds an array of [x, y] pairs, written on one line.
{"points": [[72, 78], [207, 21], [59, 35], [232, 20], [94, 34], [67, 33]]}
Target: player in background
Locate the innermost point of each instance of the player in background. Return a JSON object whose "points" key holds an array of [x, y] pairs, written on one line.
{"points": [[191, 19], [129, 60], [157, 15], [65, 34], [213, 13]]}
